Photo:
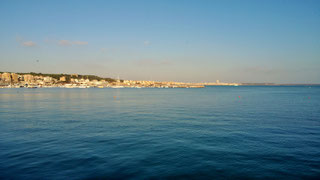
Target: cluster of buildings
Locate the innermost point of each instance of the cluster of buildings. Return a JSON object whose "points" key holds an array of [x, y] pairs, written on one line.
{"points": [[218, 83], [157, 84], [16, 80], [25, 80]]}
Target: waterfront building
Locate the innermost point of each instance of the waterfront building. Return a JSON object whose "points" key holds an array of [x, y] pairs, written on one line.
{"points": [[6, 77], [28, 78], [72, 80], [14, 77], [63, 79], [38, 77], [39, 81], [47, 79]]}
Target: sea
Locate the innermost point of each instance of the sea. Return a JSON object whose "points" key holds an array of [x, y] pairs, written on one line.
{"points": [[218, 132]]}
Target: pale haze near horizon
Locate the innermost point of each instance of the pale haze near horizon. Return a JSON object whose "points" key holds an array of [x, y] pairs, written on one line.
{"points": [[190, 41]]}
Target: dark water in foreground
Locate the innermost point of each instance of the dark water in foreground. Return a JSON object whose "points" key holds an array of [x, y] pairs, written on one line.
{"points": [[269, 132]]}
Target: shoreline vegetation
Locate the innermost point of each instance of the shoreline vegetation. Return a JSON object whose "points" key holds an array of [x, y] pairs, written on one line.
{"points": [[40, 80]]}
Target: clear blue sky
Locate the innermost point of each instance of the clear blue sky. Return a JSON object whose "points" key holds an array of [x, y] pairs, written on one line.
{"points": [[233, 41]]}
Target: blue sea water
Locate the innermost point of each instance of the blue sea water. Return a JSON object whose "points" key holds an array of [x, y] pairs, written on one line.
{"points": [[245, 132]]}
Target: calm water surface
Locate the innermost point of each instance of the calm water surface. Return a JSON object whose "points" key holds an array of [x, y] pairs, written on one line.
{"points": [[215, 132]]}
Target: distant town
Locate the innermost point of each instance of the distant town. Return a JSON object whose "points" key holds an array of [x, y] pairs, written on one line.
{"points": [[39, 80]]}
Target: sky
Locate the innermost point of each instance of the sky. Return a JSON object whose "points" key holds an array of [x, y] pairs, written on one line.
{"points": [[275, 41]]}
